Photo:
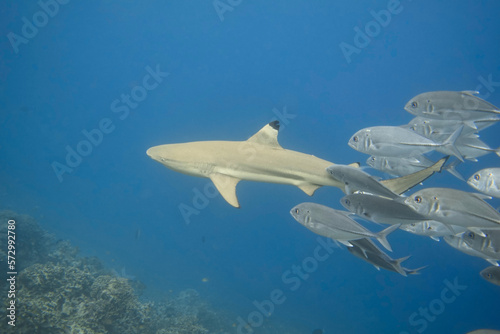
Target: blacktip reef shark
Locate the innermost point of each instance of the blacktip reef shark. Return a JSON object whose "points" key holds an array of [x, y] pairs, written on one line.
{"points": [[261, 158]]}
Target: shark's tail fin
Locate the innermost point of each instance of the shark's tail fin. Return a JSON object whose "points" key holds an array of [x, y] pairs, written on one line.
{"points": [[382, 236]]}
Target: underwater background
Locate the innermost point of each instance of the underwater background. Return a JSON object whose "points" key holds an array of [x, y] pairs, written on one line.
{"points": [[221, 70]]}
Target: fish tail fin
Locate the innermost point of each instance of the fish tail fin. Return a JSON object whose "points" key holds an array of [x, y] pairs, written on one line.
{"points": [[449, 144], [451, 169], [382, 236], [402, 259], [415, 271], [497, 151]]}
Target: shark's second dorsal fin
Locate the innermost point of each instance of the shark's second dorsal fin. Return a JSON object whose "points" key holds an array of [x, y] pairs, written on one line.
{"points": [[226, 185], [268, 135]]}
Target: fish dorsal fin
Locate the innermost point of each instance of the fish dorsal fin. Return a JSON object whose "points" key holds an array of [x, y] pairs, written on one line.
{"points": [[308, 188], [470, 92], [268, 135], [226, 185]]}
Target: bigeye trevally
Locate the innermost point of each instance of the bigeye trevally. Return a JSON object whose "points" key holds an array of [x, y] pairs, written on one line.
{"points": [[449, 105], [336, 224], [486, 181]]}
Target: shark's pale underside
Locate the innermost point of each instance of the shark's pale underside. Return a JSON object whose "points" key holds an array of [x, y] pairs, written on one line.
{"points": [[261, 158]]}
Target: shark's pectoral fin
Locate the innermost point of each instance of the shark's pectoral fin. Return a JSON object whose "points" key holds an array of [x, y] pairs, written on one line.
{"points": [[308, 188], [226, 185], [268, 135]]}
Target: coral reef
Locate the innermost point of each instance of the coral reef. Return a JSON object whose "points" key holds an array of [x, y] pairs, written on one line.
{"points": [[59, 292]]}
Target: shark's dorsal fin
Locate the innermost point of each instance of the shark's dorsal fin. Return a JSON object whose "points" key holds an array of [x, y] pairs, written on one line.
{"points": [[268, 135], [226, 185]]}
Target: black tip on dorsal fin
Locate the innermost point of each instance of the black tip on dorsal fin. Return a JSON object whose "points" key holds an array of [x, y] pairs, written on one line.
{"points": [[275, 125]]}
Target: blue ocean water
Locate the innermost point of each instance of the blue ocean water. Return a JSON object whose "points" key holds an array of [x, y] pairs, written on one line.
{"points": [[146, 74]]}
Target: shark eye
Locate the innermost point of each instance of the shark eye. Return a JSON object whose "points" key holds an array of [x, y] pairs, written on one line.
{"points": [[414, 104], [355, 139], [418, 199], [477, 177], [489, 275]]}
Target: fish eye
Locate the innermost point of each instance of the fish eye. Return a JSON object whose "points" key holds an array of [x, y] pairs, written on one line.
{"points": [[355, 139], [488, 275], [412, 224], [296, 210], [471, 235], [347, 202], [414, 104], [373, 158], [418, 199], [477, 177]]}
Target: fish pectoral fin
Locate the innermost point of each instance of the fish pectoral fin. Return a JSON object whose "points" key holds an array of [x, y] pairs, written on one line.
{"points": [[226, 185], [481, 196], [355, 165], [268, 135], [493, 262], [345, 243], [308, 188], [477, 230]]}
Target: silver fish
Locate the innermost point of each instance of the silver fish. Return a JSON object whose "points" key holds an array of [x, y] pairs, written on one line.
{"points": [[454, 207], [401, 166], [432, 229], [380, 210], [336, 224], [492, 275], [486, 181], [489, 245], [463, 106], [459, 244], [356, 179], [438, 130], [366, 250], [394, 141], [472, 148]]}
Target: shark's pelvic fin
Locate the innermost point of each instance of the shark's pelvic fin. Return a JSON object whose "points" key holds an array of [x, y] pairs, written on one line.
{"points": [[226, 185], [268, 135], [308, 188]]}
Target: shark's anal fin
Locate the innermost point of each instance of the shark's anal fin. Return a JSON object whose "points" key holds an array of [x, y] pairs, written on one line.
{"points": [[308, 188], [226, 185], [268, 135]]}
